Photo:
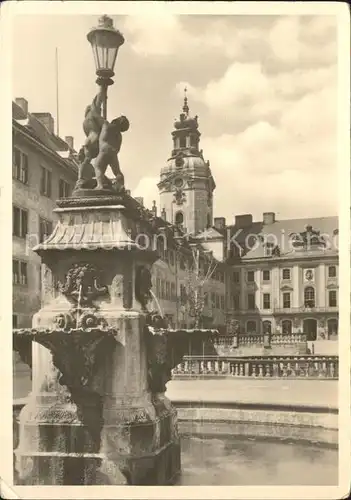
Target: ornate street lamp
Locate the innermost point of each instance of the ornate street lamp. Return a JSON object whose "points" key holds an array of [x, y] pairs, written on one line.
{"points": [[105, 41]]}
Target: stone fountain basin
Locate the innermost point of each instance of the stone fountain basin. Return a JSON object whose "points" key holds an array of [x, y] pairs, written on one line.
{"points": [[220, 452], [228, 459], [276, 432]]}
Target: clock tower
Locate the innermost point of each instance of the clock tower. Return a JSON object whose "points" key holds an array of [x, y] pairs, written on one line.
{"points": [[186, 185]]}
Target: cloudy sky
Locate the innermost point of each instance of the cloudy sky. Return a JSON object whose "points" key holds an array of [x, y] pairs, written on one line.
{"points": [[264, 87]]}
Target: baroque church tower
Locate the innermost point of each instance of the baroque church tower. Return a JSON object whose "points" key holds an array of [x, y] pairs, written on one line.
{"points": [[186, 185]]}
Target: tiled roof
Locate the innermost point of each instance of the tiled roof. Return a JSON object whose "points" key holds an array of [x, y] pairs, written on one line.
{"points": [[252, 238], [37, 130]]}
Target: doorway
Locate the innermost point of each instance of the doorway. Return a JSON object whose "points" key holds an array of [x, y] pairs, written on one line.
{"points": [[310, 329]]}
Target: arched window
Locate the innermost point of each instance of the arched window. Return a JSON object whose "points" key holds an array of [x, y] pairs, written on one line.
{"points": [[287, 327], [251, 326], [333, 325], [179, 218], [267, 327], [309, 297]]}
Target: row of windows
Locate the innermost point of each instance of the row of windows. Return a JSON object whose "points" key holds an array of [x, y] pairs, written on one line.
{"points": [[309, 299], [20, 224], [286, 274], [217, 301], [182, 143], [165, 290], [184, 262], [20, 172], [287, 326]]}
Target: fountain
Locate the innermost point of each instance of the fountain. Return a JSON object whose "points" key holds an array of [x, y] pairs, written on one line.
{"points": [[97, 413]]}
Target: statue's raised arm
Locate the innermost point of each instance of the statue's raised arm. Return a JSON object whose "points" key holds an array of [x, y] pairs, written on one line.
{"points": [[97, 101]]}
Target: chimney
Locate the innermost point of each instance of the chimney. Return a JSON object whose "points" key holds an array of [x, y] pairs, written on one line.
{"points": [[268, 218], [243, 220], [70, 141], [23, 104], [163, 214], [219, 223], [47, 120], [154, 208], [140, 200]]}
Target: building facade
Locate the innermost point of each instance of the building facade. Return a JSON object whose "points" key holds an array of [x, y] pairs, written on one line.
{"points": [[285, 275], [43, 170]]}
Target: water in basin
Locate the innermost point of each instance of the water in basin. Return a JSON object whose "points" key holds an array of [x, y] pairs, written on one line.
{"points": [[231, 460]]}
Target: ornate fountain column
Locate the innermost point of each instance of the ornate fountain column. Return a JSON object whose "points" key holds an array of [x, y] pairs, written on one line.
{"points": [[97, 413]]}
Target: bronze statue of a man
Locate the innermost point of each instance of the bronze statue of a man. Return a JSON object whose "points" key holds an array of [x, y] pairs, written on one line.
{"points": [[110, 141], [92, 125], [103, 143]]}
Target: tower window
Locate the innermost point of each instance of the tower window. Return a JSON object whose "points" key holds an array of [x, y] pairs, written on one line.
{"points": [[179, 218], [182, 142]]}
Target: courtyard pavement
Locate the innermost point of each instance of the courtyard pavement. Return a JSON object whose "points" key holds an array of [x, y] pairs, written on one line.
{"points": [[321, 393]]}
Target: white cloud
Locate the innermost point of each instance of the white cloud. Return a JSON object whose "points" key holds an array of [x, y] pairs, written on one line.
{"points": [[289, 40], [147, 189], [153, 35], [284, 39]]}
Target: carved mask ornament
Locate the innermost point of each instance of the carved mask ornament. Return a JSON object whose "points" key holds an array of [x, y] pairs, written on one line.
{"points": [[82, 285]]}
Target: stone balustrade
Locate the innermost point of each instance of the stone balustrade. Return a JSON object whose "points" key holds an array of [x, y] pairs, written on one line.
{"points": [[257, 339], [322, 367], [288, 339]]}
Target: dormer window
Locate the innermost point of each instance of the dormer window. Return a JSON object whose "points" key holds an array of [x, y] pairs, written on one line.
{"points": [[310, 239], [268, 249]]}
